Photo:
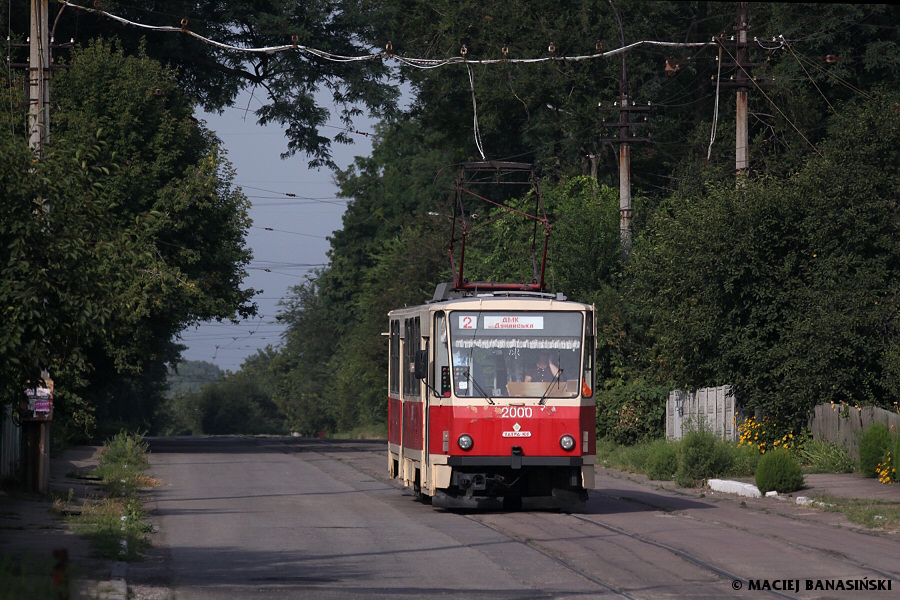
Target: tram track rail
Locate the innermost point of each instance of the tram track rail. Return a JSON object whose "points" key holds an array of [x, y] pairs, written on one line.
{"points": [[497, 522], [537, 547], [829, 552]]}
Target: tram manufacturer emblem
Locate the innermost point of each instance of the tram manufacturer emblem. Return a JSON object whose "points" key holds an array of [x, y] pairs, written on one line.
{"points": [[516, 432]]}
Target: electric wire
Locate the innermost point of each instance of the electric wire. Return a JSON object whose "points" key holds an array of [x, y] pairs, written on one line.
{"points": [[712, 133], [475, 112], [772, 102], [791, 50], [833, 76], [419, 63]]}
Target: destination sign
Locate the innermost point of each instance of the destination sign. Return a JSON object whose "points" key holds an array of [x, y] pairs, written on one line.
{"points": [[513, 322]]}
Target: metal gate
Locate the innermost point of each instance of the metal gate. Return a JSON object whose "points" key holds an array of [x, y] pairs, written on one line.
{"points": [[10, 444]]}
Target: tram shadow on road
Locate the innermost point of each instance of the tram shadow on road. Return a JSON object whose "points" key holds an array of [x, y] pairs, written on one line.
{"points": [[618, 501]]}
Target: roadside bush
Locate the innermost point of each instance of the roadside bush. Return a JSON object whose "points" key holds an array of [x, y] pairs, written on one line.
{"points": [[662, 460], [744, 460], [701, 455], [822, 456], [778, 470], [874, 443], [624, 458], [631, 413]]}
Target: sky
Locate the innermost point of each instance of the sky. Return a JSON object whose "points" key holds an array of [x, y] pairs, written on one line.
{"points": [[288, 234]]}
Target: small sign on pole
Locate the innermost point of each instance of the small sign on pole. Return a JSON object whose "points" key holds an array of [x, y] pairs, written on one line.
{"points": [[39, 405]]}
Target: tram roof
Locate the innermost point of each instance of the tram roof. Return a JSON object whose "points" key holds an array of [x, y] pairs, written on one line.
{"points": [[509, 300]]}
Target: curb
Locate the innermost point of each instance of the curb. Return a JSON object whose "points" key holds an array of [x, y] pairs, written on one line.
{"points": [[112, 589], [734, 487], [749, 490]]}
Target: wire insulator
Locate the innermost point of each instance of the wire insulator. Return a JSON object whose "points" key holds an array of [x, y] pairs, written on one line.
{"points": [[184, 23], [463, 50], [598, 46], [294, 39], [551, 48], [505, 51], [389, 48]]}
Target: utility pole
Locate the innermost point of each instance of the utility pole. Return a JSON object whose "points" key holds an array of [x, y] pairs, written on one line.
{"points": [[742, 82], [39, 75], [742, 141], [37, 432], [624, 139]]}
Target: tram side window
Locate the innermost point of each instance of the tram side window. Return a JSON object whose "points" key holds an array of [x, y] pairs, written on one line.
{"points": [[410, 383], [587, 388], [441, 378], [395, 357]]}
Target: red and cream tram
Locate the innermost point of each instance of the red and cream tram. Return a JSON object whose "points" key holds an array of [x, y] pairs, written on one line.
{"points": [[491, 398]]}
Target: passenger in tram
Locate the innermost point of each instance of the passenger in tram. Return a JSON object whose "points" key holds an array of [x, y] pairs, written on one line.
{"points": [[544, 369]]}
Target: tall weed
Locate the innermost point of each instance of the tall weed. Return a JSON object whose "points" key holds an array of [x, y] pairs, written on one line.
{"points": [[821, 456]]}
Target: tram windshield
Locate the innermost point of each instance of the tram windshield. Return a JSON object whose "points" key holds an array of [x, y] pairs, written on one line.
{"points": [[516, 353]]}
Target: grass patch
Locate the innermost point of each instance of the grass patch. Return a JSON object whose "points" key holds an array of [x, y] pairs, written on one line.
{"points": [[873, 514], [820, 456], [116, 528], [116, 524], [364, 432], [26, 578]]}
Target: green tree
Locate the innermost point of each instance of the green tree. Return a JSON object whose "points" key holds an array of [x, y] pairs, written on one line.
{"points": [[406, 272], [143, 235], [171, 177], [784, 288], [54, 289], [190, 375], [237, 403], [304, 392], [287, 82]]}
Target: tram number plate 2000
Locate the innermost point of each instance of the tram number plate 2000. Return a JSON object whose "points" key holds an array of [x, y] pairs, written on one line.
{"points": [[516, 412]]}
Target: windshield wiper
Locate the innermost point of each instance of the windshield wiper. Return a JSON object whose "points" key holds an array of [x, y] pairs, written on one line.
{"points": [[552, 381], [478, 388]]}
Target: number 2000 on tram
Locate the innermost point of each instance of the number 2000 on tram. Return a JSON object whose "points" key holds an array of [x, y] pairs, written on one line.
{"points": [[490, 400]]}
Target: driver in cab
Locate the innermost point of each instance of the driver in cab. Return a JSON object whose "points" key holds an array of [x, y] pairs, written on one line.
{"points": [[544, 369]]}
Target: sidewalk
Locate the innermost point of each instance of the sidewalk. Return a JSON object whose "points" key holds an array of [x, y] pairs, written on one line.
{"points": [[31, 529]]}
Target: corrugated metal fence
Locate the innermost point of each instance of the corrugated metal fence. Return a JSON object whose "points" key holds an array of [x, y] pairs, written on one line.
{"points": [[713, 407], [842, 424], [10, 444]]}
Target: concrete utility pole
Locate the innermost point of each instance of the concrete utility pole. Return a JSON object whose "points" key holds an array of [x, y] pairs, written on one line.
{"points": [[742, 141], [624, 139], [39, 75]]}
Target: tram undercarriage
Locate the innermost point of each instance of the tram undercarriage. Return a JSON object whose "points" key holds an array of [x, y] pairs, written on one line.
{"points": [[509, 488]]}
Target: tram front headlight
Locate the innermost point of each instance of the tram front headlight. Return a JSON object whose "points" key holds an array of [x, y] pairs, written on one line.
{"points": [[567, 442], [465, 442]]}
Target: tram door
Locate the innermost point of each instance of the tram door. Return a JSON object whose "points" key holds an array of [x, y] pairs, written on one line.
{"points": [[413, 416], [421, 328]]}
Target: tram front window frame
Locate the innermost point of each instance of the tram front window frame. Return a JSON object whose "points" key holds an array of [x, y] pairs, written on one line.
{"points": [[492, 351]]}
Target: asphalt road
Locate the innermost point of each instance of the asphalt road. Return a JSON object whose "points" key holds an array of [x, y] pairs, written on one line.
{"points": [[292, 518]]}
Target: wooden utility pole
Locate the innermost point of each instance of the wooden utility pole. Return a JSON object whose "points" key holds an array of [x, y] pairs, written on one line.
{"points": [[37, 433]]}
